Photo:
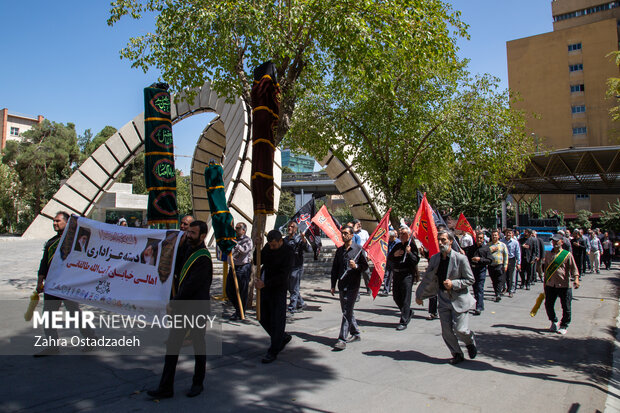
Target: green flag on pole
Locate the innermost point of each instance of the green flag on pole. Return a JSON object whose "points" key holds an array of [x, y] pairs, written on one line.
{"points": [[159, 172], [223, 225]]}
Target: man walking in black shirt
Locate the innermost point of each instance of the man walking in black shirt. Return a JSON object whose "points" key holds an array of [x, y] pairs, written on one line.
{"points": [[403, 260], [479, 257], [277, 261], [349, 263]]}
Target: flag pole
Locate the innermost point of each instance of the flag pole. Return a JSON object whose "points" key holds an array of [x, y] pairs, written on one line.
{"points": [[234, 275], [260, 230]]}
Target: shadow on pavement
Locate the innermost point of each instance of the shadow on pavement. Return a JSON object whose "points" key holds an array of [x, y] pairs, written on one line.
{"points": [[326, 341], [72, 383], [406, 355]]}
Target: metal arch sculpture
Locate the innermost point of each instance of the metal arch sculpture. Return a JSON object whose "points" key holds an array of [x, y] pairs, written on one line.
{"points": [[357, 195], [229, 135]]}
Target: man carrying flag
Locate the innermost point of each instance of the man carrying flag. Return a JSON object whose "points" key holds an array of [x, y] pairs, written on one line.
{"points": [[560, 269], [349, 262], [403, 259]]}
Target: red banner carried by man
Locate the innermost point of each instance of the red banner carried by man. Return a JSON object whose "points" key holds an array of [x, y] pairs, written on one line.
{"points": [[377, 249], [463, 225], [424, 229], [323, 219]]}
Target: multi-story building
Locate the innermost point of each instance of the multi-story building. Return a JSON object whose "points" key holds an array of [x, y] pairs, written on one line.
{"points": [[12, 125], [298, 163], [561, 78]]}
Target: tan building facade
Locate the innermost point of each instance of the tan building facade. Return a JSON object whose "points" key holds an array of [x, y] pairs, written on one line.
{"points": [[12, 125], [561, 78]]}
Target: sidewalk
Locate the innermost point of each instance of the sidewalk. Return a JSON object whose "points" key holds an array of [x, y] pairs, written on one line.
{"points": [[520, 366]]}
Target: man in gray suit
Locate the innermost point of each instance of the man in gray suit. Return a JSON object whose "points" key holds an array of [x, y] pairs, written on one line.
{"points": [[448, 277]]}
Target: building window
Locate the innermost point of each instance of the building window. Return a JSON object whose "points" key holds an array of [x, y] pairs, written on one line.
{"points": [[584, 12], [573, 47], [583, 196], [575, 68], [577, 88], [578, 109], [14, 131], [580, 130]]}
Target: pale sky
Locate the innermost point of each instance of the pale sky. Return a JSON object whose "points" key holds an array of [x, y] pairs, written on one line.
{"points": [[61, 60]]}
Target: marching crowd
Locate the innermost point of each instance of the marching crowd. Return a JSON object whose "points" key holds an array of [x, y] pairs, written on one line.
{"points": [[453, 281]]}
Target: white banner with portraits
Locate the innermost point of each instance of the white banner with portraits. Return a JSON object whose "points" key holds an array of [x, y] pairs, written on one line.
{"points": [[122, 269]]}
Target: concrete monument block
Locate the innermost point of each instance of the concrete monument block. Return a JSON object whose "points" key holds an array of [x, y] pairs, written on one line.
{"points": [[117, 147], [104, 158], [72, 198], [94, 172], [82, 185]]}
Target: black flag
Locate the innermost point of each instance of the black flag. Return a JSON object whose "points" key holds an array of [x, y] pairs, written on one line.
{"points": [[303, 219]]}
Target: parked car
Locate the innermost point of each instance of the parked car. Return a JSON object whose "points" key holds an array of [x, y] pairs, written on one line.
{"points": [[546, 238]]}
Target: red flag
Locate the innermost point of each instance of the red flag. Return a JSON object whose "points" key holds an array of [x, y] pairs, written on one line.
{"points": [[424, 229], [323, 220], [463, 225], [376, 248]]}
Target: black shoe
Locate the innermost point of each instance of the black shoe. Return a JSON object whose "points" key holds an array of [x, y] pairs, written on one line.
{"points": [[160, 394], [401, 327], [476, 312], [195, 390], [287, 339], [498, 299], [234, 317], [527, 287], [472, 350], [49, 351], [269, 358], [457, 358], [431, 317]]}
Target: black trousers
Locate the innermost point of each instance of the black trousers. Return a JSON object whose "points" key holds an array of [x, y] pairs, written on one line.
{"points": [[173, 347], [52, 303], [580, 260], [432, 305], [401, 292], [551, 295], [348, 325], [273, 317], [606, 259], [496, 272], [243, 278], [527, 273]]}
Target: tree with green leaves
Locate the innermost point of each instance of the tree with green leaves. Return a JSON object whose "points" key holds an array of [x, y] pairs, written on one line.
{"points": [[287, 204], [89, 144], [10, 199], [311, 43], [184, 194], [432, 127], [613, 88], [582, 221], [473, 197], [47, 154], [610, 219]]}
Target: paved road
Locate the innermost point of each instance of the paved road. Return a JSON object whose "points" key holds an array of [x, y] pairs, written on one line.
{"points": [[520, 367]]}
